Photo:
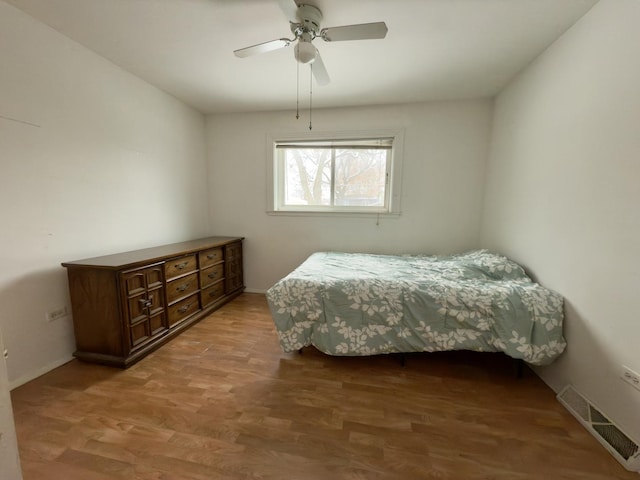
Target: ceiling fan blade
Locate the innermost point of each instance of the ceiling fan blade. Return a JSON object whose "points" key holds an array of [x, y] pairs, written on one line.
{"points": [[262, 47], [320, 71], [362, 31], [289, 7]]}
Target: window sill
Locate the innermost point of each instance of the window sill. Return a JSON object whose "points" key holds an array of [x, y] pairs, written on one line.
{"points": [[291, 213]]}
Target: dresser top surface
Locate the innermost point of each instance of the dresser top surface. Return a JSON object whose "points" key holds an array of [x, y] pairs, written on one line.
{"points": [[152, 254]]}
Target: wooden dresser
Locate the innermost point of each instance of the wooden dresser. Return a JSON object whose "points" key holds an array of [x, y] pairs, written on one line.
{"points": [[128, 304]]}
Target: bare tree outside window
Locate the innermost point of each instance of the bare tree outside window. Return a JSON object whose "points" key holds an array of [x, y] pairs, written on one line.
{"points": [[333, 176], [360, 177], [307, 176]]}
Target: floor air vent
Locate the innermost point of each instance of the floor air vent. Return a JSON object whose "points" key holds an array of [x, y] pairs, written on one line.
{"points": [[625, 450]]}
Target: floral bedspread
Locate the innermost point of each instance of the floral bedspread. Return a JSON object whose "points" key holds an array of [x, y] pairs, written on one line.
{"points": [[363, 304]]}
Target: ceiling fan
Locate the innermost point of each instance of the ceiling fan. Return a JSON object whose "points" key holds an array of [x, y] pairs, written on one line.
{"points": [[305, 25]]}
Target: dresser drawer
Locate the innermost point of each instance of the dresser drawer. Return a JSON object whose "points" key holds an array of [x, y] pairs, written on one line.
{"points": [[181, 287], [212, 293], [211, 275], [210, 257], [180, 266], [183, 309]]}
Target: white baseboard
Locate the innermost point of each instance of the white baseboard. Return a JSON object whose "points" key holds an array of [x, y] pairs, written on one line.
{"points": [[255, 290]]}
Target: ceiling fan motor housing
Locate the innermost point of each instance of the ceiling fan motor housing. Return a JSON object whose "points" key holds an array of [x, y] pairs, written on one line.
{"points": [[307, 28], [309, 18]]}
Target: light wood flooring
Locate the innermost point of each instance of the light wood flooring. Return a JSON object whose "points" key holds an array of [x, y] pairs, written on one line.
{"points": [[221, 401]]}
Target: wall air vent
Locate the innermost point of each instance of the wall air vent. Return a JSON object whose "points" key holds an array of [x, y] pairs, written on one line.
{"points": [[625, 450]]}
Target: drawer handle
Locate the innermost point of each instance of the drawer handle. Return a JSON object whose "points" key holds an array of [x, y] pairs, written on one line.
{"points": [[211, 256], [146, 302], [183, 287], [184, 308], [213, 275], [181, 266], [214, 293]]}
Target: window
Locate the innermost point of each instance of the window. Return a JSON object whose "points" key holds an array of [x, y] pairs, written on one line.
{"points": [[334, 175]]}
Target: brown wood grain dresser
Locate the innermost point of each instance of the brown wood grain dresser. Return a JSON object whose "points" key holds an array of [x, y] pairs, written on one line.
{"points": [[128, 304]]}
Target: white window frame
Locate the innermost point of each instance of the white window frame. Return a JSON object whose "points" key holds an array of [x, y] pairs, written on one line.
{"points": [[275, 176]]}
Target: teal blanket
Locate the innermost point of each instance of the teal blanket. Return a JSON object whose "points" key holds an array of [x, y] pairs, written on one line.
{"points": [[362, 304]]}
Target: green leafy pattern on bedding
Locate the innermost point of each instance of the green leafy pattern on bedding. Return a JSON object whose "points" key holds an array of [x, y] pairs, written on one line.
{"points": [[364, 304]]}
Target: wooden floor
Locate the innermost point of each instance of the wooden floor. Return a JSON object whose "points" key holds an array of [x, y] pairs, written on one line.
{"points": [[221, 401]]}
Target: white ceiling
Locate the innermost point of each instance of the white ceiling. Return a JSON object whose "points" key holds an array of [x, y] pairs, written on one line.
{"points": [[434, 50]]}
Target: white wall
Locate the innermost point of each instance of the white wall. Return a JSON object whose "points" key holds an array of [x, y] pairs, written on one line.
{"points": [[93, 161], [445, 147], [563, 196]]}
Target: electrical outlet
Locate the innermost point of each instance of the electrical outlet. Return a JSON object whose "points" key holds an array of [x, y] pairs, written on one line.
{"points": [[56, 314], [631, 377]]}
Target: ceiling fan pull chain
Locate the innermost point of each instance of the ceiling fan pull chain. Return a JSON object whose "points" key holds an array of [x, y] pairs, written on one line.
{"points": [[297, 90], [310, 92]]}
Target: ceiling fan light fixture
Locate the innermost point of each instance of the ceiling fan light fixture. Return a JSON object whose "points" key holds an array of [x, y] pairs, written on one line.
{"points": [[305, 52]]}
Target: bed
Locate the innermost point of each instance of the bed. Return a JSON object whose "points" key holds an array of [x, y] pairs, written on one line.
{"points": [[363, 304]]}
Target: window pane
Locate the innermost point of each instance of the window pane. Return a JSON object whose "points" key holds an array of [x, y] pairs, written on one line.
{"points": [[307, 176], [335, 175], [360, 177]]}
